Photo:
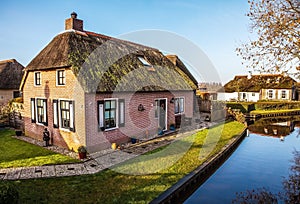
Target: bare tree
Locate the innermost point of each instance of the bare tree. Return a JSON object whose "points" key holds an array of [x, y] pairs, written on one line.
{"points": [[276, 49]]}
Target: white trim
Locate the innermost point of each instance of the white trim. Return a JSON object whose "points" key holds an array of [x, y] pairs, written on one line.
{"points": [[117, 113], [36, 110], [59, 114], [65, 77], [180, 113], [166, 116]]}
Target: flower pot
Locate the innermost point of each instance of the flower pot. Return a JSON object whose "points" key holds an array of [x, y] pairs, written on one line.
{"points": [[82, 155], [133, 140]]}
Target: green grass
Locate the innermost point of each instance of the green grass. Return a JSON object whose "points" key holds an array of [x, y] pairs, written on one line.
{"points": [[17, 153], [112, 187], [273, 111]]}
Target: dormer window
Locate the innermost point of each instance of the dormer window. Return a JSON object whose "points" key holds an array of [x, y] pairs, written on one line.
{"points": [[37, 78], [144, 61], [60, 77]]}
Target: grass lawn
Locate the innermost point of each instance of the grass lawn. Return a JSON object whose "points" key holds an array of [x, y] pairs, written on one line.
{"points": [[112, 187], [16, 153], [273, 111]]}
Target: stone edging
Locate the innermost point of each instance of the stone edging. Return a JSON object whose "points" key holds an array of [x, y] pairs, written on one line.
{"points": [[179, 192]]}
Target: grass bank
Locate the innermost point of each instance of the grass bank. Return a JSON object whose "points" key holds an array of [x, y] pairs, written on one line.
{"points": [[112, 187], [16, 153]]}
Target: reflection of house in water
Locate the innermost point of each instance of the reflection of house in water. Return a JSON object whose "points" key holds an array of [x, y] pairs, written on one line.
{"points": [[278, 129]]}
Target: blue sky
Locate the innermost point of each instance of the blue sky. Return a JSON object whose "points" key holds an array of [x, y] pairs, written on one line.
{"points": [[217, 26]]}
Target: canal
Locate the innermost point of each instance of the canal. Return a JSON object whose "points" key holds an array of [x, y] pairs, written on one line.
{"points": [[262, 160]]}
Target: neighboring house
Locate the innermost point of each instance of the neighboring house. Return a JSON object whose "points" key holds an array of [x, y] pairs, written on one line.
{"points": [[91, 89], [11, 73], [260, 87]]}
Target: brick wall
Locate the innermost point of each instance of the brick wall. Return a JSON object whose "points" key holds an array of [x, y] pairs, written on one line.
{"points": [[138, 124], [6, 96], [50, 91]]}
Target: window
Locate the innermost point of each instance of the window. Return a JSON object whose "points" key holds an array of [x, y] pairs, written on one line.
{"points": [[61, 78], [270, 93], [39, 111], [253, 94], [179, 105], [283, 94], [67, 115], [37, 78], [144, 61], [111, 113]]}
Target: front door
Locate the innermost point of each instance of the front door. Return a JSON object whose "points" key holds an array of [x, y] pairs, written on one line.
{"points": [[162, 114]]}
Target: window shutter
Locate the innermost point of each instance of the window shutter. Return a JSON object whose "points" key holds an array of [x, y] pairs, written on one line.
{"points": [[101, 115], [121, 112], [32, 105], [72, 116], [55, 114], [45, 119]]}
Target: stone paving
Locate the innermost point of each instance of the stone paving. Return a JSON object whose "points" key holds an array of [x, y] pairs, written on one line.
{"points": [[96, 162]]}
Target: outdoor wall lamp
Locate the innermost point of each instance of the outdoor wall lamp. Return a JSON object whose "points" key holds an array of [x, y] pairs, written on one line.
{"points": [[172, 100], [141, 107]]}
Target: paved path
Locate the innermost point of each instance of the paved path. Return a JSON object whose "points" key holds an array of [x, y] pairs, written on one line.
{"points": [[95, 163]]}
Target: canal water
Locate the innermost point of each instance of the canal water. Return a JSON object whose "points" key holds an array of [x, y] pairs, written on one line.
{"points": [[262, 160]]}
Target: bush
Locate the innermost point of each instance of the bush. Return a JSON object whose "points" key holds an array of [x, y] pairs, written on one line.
{"points": [[8, 193]]}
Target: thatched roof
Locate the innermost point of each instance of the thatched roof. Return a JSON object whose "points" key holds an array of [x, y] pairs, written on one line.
{"points": [[106, 64], [11, 73], [257, 82]]}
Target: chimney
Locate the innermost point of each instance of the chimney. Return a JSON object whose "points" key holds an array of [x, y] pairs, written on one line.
{"points": [[74, 23]]}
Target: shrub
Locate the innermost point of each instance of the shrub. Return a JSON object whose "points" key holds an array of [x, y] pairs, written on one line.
{"points": [[8, 193]]}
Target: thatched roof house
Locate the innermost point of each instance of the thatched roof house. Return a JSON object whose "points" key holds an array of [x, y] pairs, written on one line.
{"points": [[91, 89], [11, 73], [255, 83]]}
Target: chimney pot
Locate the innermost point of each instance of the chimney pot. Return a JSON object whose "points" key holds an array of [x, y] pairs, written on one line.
{"points": [[73, 15]]}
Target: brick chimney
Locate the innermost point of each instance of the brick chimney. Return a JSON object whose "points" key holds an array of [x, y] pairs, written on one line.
{"points": [[74, 23]]}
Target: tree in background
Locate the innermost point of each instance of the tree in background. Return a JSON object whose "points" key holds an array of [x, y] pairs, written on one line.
{"points": [[276, 24]]}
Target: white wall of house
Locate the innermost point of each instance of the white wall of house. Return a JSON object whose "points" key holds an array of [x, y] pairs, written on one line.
{"points": [[244, 96]]}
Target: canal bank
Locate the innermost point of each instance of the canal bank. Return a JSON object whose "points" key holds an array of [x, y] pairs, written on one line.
{"points": [[179, 192]]}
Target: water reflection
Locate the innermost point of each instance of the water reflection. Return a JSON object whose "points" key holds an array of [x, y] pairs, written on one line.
{"points": [[260, 161], [273, 127]]}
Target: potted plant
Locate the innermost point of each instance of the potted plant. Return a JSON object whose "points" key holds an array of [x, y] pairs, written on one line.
{"points": [[82, 152], [172, 126]]}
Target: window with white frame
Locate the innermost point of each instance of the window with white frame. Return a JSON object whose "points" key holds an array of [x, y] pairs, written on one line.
{"points": [[66, 110], [179, 105], [270, 94], [283, 94], [39, 111], [61, 77], [37, 78], [111, 113]]}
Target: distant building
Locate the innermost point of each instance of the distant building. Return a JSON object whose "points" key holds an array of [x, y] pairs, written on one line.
{"points": [[11, 73], [260, 87]]}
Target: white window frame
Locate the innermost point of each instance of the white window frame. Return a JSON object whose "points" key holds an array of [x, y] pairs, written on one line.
{"points": [[71, 115], [180, 111], [268, 93], [57, 77], [45, 112], [34, 78]]}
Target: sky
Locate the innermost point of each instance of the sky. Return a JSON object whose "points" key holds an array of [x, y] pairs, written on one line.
{"points": [[216, 27]]}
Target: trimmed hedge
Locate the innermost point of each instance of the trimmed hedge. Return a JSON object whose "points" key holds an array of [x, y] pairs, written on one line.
{"points": [[246, 107]]}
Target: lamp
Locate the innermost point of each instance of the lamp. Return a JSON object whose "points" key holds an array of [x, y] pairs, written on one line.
{"points": [[172, 100], [141, 107]]}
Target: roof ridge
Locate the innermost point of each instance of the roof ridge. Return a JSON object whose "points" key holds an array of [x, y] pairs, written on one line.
{"points": [[8, 60]]}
